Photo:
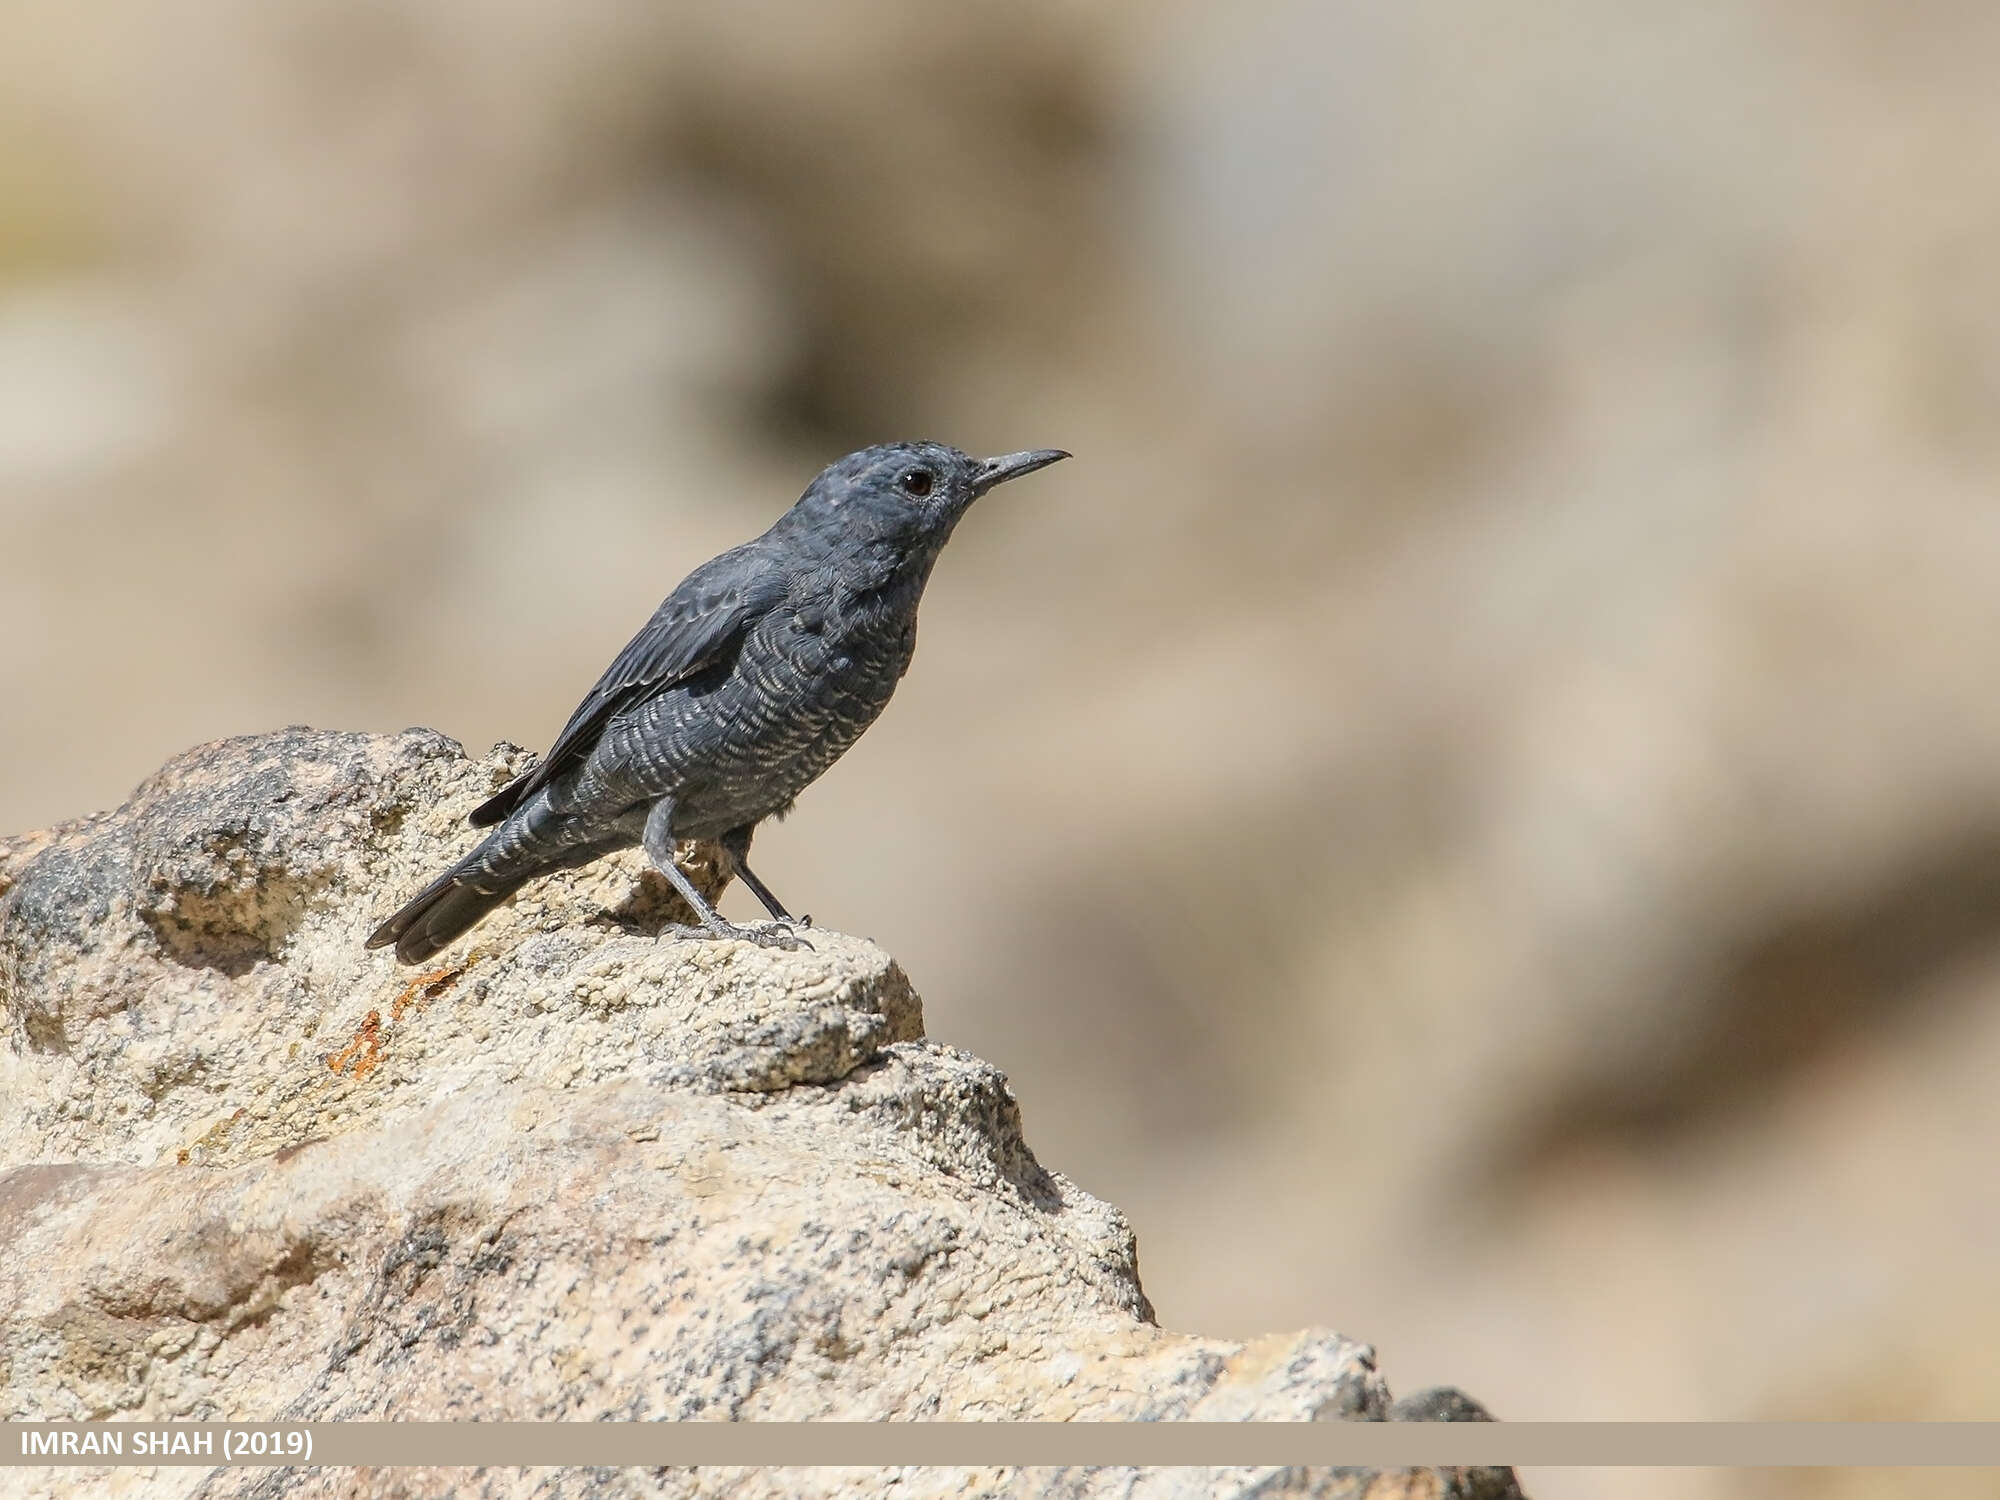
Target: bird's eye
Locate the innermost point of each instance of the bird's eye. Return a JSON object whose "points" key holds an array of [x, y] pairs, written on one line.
{"points": [[917, 483]]}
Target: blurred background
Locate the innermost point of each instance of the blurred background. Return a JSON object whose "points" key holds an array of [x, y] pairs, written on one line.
{"points": [[1471, 809]]}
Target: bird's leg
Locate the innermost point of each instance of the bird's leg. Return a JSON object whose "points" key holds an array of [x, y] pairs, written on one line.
{"points": [[659, 844], [736, 844], [658, 840]]}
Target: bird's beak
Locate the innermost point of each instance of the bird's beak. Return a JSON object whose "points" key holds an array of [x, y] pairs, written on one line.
{"points": [[1013, 465]]}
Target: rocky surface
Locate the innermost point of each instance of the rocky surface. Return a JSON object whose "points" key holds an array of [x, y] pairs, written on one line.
{"points": [[576, 1172]]}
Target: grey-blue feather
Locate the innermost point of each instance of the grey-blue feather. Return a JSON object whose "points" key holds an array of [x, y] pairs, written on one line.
{"points": [[701, 622]]}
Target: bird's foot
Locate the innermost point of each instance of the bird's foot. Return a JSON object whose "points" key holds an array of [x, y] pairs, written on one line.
{"points": [[786, 935], [764, 934]]}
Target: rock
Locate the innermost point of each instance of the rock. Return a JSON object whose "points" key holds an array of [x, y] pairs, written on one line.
{"points": [[575, 1173]]}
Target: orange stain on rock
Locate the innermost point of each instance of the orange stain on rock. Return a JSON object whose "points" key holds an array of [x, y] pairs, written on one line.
{"points": [[364, 1054], [427, 987]]}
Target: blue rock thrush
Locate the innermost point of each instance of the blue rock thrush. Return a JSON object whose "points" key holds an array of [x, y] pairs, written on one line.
{"points": [[754, 676]]}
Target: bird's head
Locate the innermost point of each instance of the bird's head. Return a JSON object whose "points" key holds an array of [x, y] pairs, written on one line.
{"points": [[908, 496]]}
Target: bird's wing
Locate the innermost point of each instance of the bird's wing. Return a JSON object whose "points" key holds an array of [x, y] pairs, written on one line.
{"points": [[699, 623]]}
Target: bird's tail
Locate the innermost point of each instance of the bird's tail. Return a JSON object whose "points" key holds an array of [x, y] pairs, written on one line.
{"points": [[452, 903]]}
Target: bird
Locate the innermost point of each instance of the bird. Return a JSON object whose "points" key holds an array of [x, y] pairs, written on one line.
{"points": [[758, 672]]}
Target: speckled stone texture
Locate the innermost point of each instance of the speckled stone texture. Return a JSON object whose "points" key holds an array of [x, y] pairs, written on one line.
{"points": [[575, 1172]]}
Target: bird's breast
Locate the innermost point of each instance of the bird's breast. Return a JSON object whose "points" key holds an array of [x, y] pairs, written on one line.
{"points": [[802, 689]]}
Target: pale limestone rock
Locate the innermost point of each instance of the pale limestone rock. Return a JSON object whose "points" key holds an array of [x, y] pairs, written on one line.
{"points": [[574, 1172]]}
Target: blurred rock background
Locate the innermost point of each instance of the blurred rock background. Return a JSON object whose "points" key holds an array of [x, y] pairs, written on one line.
{"points": [[1488, 764]]}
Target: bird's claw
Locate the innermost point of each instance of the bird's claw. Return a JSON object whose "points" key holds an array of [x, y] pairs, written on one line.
{"points": [[763, 934], [784, 935]]}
